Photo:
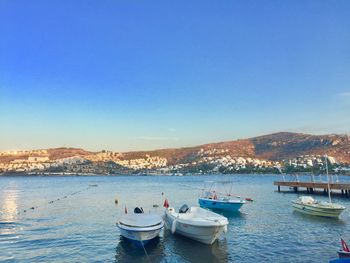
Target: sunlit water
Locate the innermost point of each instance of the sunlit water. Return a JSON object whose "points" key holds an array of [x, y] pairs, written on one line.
{"points": [[81, 227]]}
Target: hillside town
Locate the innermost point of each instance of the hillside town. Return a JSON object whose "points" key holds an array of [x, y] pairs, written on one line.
{"points": [[106, 162]]}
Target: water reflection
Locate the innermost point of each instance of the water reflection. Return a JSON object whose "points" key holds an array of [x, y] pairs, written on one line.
{"points": [[8, 211], [129, 252], [320, 219], [192, 251], [9, 204], [230, 214], [179, 248]]}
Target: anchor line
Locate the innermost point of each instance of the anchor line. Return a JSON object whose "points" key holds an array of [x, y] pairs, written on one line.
{"points": [[144, 249], [58, 199]]}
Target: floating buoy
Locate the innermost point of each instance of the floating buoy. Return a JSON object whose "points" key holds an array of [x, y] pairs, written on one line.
{"points": [[249, 199], [116, 201], [155, 205]]}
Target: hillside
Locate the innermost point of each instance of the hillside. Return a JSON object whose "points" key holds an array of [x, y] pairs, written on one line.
{"points": [[286, 145], [274, 147], [259, 154]]}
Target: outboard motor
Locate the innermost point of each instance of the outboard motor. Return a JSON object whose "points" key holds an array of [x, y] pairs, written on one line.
{"points": [[138, 210], [184, 208]]}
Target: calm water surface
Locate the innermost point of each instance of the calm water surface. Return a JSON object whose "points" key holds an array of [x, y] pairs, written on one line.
{"points": [[80, 226]]}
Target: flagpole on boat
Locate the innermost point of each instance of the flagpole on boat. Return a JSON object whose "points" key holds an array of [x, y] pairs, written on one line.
{"points": [[329, 190]]}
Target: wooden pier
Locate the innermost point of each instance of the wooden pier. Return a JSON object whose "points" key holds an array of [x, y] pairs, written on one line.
{"points": [[312, 187]]}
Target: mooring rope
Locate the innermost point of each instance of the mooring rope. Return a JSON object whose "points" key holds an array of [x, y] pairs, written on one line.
{"points": [[61, 198], [144, 249]]}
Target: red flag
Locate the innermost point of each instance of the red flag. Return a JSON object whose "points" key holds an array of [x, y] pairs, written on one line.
{"points": [[125, 210], [166, 203], [344, 245]]}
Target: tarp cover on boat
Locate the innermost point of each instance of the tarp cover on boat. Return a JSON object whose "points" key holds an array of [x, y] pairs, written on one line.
{"points": [[307, 200], [140, 220]]}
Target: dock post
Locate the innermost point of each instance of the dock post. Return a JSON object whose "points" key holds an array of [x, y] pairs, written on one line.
{"points": [[307, 190], [346, 193], [279, 188], [342, 192], [324, 191], [295, 189]]}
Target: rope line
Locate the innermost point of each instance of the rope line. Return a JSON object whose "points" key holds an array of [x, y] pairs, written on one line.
{"points": [[144, 249], [63, 197]]}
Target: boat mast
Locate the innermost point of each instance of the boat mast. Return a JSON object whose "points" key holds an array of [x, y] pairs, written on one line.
{"points": [[329, 190]]}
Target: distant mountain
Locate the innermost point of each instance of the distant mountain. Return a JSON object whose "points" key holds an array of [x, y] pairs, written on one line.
{"points": [[59, 153], [301, 151], [274, 147], [286, 145]]}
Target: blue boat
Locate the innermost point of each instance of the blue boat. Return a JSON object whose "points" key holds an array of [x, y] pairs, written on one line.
{"points": [[211, 199], [340, 260], [226, 204]]}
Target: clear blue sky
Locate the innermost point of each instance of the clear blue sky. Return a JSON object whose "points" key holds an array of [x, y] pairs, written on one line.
{"points": [[131, 75]]}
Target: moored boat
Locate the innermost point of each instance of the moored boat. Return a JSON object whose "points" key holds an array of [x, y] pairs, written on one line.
{"points": [[213, 199], [139, 227], [196, 223], [344, 252], [220, 203], [308, 205]]}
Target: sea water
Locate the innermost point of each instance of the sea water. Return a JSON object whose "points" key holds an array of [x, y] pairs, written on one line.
{"points": [[69, 219]]}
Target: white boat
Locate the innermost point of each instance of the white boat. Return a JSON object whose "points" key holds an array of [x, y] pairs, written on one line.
{"points": [[308, 205], [196, 223], [139, 227]]}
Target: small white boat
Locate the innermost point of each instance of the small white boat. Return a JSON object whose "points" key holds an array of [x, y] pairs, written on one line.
{"points": [[140, 228], [196, 223], [308, 205]]}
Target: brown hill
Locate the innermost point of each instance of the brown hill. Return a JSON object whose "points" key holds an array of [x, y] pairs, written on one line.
{"points": [[285, 145], [59, 153], [277, 146]]}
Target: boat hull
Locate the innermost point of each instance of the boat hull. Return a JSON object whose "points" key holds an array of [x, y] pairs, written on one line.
{"points": [[317, 211], [232, 206], [139, 237], [343, 254], [203, 234], [140, 228]]}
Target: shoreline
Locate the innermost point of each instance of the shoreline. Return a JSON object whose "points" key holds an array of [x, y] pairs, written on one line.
{"points": [[149, 174]]}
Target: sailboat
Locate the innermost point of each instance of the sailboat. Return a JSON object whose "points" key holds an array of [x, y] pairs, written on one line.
{"points": [[310, 206]]}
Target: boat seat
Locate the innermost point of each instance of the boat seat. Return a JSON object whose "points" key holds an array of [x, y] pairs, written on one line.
{"points": [[138, 210], [184, 208]]}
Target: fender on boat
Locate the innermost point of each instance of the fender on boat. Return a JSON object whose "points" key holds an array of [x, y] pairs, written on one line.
{"points": [[173, 226]]}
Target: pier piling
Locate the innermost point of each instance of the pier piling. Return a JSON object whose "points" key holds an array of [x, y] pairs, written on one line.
{"points": [[343, 189]]}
